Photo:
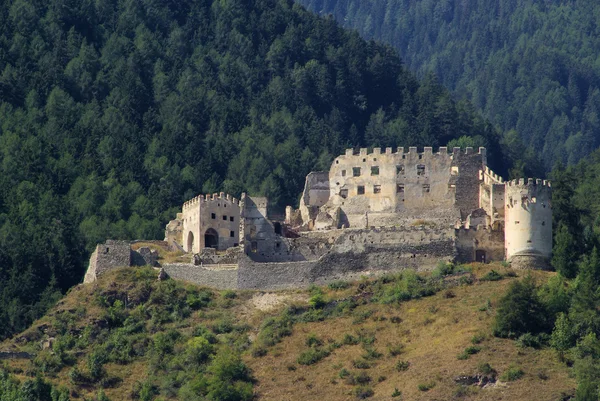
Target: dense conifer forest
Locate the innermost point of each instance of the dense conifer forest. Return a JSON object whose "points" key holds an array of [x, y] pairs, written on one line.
{"points": [[528, 65], [114, 112]]}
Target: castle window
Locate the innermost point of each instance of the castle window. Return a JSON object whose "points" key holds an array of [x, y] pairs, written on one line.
{"points": [[376, 189], [232, 234], [360, 190], [399, 169], [356, 171], [543, 223], [254, 246], [426, 188], [420, 169], [225, 218], [374, 159], [343, 173], [420, 157], [516, 222], [374, 170], [231, 218], [454, 170], [404, 156], [364, 160], [213, 216], [277, 244], [344, 193], [337, 162], [400, 188]]}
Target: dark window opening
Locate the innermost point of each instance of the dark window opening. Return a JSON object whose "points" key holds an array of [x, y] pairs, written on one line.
{"points": [[364, 160], [480, 256], [337, 162], [211, 238], [231, 218], [236, 244], [404, 156], [543, 223], [374, 159], [516, 222], [420, 157], [400, 188], [426, 188], [213, 216], [344, 193], [376, 189], [254, 246], [225, 218], [277, 228], [375, 170], [356, 171], [360, 190], [399, 169], [277, 244], [343, 173], [420, 169], [232, 234]]}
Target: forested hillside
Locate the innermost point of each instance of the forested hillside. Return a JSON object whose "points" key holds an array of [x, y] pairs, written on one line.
{"points": [[529, 65], [114, 112]]}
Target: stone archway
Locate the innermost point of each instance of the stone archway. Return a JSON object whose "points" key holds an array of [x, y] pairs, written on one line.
{"points": [[211, 238], [190, 242]]}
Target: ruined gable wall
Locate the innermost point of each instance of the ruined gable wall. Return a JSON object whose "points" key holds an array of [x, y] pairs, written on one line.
{"points": [[468, 179], [469, 241], [108, 256], [315, 194]]}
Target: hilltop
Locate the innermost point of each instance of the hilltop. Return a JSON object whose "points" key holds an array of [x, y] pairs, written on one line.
{"points": [[129, 336]]}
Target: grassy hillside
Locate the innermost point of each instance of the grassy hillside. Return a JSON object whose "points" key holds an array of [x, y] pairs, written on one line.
{"points": [[131, 337]]}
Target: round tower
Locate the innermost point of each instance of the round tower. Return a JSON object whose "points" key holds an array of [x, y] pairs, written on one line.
{"points": [[528, 223]]}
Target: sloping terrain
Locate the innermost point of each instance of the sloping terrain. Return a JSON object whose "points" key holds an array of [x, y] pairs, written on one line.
{"points": [[129, 336]]}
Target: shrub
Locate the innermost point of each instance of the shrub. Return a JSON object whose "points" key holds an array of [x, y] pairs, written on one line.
{"points": [[426, 386], [402, 366], [396, 350], [361, 364], [396, 393], [343, 373], [478, 338], [313, 341], [529, 340], [362, 392], [520, 311], [486, 369], [350, 340], [339, 285], [492, 276], [312, 356], [395, 319], [472, 350], [371, 353], [229, 294], [317, 301], [511, 374], [362, 378]]}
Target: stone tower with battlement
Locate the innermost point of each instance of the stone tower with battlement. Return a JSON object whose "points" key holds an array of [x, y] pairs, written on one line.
{"points": [[528, 223]]}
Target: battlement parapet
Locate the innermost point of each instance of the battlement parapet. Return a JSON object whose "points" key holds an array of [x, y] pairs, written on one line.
{"points": [[492, 178], [210, 198], [522, 182], [427, 150]]}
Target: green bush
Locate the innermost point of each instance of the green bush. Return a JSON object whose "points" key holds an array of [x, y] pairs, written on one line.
{"points": [[395, 350], [371, 353], [511, 374], [485, 369], [402, 366], [361, 364], [313, 341], [312, 356], [349, 339], [492, 276], [317, 301], [362, 392], [396, 393], [529, 340], [339, 285], [478, 338], [426, 386], [344, 373], [362, 378], [520, 311]]}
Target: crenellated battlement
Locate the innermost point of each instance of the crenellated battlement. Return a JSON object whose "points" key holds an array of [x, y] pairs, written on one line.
{"points": [[210, 198], [412, 150], [490, 177], [522, 182]]}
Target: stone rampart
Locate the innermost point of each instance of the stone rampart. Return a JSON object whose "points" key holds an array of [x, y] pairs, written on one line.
{"points": [[215, 277]]}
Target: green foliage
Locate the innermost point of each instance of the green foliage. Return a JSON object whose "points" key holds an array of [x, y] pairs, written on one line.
{"points": [[520, 311], [362, 392], [564, 252], [485, 369], [339, 285], [312, 356], [396, 393], [492, 275], [465, 44], [426, 386], [31, 390], [402, 366], [511, 374]]}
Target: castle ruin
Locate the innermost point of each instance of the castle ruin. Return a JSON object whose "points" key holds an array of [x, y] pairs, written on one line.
{"points": [[374, 211]]}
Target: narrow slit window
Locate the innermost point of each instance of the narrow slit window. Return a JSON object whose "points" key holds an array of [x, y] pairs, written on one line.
{"points": [[231, 218], [356, 171], [224, 217], [213, 216], [426, 188], [343, 173], [374, 170], [420, 169], [360, 190], [232, 234], [376, 189], [400, 188]]}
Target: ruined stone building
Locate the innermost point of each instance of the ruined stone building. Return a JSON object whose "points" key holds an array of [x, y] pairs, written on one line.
{"points": [[372, 211]]}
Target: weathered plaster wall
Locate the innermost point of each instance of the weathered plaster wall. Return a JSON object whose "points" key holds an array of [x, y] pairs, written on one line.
{"points": [[315, 195], [528, 214], [218, 212]]}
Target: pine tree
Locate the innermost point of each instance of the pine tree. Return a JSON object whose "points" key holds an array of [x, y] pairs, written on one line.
{"points": [[564, 257]]}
